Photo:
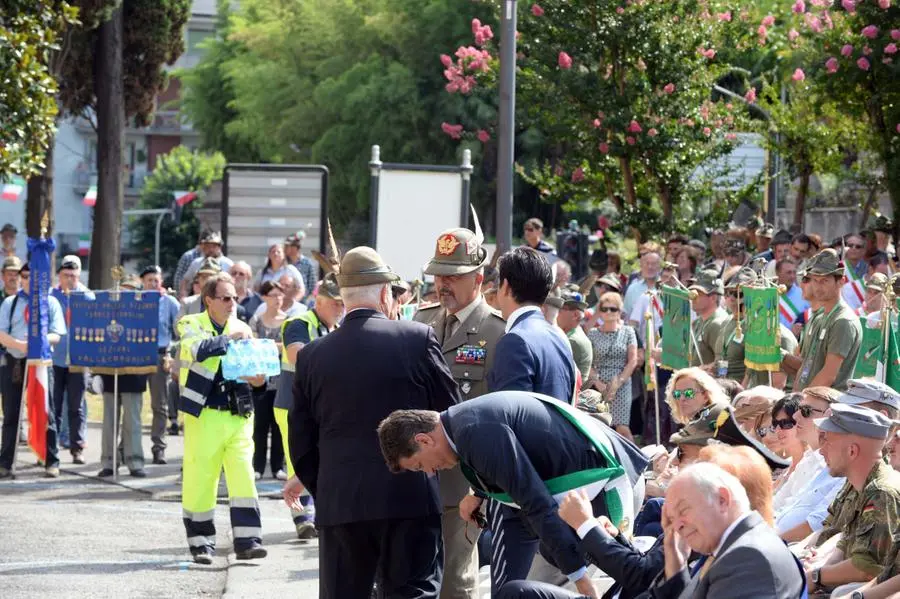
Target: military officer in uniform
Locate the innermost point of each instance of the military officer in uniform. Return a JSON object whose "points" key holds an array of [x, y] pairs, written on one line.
{"points": [[218, 426], [467, 329]]}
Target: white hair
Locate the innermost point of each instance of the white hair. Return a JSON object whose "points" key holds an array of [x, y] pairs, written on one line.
{"points": [[364, 295], [709, 478], [242, 264]]}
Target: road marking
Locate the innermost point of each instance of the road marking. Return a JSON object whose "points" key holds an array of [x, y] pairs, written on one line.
{"points": [[55, 563]]}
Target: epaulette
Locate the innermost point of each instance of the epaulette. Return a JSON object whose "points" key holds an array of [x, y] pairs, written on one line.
{"points": [[429, 306], [498, 314]]}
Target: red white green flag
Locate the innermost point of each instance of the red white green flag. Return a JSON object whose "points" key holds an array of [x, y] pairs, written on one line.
{"points": [[184, 197], [84, 245], [90, 198], [13, 189]]}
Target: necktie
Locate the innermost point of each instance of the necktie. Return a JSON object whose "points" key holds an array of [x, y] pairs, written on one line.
{"points": [[706, 566], [450, 326]]}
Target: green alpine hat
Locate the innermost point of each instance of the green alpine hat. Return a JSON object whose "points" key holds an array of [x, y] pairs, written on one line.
{"points": [[827, 262], [363, 266], [744, 277], [329, 287], [708, 281], [457, 252]]}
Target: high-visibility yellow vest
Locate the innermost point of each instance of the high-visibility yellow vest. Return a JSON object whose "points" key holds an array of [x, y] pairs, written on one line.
{"points": [[196, 378], [312, 323]]}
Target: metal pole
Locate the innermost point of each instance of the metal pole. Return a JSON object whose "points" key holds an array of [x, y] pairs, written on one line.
{"points": [[115, 447], [507, 126], [22, 407], [159, 220], [374, 181]]}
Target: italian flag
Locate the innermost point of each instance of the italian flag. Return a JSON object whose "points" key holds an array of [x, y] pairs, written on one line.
{"points": [[37, 399], [90, 198], [184, 197], [788, 310], [84, 245], [855, 289], [13, 189]]}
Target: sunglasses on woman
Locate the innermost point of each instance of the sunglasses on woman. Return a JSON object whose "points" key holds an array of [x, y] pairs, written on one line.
{"points": [[686, 394], [609, 309], [784, 424]]}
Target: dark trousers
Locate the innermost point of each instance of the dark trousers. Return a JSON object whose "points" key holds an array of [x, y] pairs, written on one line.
{"points": [[403, 556], [528, 589], [12, 405], [68, 389], [173, 394], [263, 424]]}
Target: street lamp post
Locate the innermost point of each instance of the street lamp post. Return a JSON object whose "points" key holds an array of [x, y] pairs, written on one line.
{"points": [[507, 125]]}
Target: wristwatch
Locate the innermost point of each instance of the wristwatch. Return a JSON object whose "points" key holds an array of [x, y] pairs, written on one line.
{"points": [[816, 574], [856, 595]]}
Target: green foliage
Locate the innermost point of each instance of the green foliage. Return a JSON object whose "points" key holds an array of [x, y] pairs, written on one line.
{"points": [[153, 38], [207, 94], [30, 31], [306, 81], [622, 96], [179, 170]]}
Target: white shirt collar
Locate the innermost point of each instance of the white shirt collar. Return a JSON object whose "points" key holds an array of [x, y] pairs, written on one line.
{"points": [[727, 532], [449, 440], [518, 313], [464, 313]]}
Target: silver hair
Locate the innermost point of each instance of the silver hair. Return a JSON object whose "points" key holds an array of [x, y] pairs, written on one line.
{"points": [[364, 295], [294, 281], [709, 478], [242, 264]]}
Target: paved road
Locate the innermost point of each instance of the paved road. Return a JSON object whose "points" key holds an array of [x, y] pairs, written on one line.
{"points": [[80, 536]]}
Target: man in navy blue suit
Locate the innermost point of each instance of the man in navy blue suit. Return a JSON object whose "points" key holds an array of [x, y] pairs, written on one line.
{"points": [[532, 355]]}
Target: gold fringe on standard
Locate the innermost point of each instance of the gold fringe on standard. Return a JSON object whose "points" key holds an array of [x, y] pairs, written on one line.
{"points": [[104, 370], [762, 367]]}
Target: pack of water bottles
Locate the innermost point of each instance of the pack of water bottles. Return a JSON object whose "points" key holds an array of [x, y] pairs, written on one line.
{"points": [[250, 357]]}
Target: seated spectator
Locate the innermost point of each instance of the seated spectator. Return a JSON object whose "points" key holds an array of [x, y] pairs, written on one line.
{"points": [[689, 391], [784, 430], [753, 412], [852, 439], [801, 504]]}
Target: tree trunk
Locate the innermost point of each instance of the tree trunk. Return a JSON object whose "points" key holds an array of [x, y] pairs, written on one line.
{"points": [[802, 192], [40, 198], [867, 208], [109, 89]]}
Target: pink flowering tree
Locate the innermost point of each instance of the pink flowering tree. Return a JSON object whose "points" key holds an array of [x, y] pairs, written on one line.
{"points": [[854, 60], [804, 126], [620, 95]]}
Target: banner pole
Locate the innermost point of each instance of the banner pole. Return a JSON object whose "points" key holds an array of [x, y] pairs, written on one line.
{"points": [[22, 407], [115, 455], [651, 371], [885, 333]]}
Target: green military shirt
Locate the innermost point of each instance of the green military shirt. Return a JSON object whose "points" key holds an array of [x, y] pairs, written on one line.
{"points": [[872, 532], [582, 351], [706, 334], [837, 332], [730, 348], [760, 377]]}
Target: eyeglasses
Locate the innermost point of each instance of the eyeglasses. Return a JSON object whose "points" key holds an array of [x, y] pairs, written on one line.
{"points": [[731, 293], [530, 229], [25, 275], [856, 246], [228, 298], [786, 424], [687, 394], [807, 410], [610, 309], [762, 431]]}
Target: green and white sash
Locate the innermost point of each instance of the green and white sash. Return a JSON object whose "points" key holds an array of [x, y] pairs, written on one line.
{"points": [[612, 479]]}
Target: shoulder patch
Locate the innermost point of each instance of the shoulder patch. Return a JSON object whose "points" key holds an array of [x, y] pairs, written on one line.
{"points": [[496, 314]]}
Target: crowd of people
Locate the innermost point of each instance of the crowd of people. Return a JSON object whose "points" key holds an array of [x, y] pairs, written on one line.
{"points": [[528, 395]]}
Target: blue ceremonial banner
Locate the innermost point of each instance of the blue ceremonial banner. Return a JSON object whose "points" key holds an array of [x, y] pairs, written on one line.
{"points": [[110, 334], [38, 319]]}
